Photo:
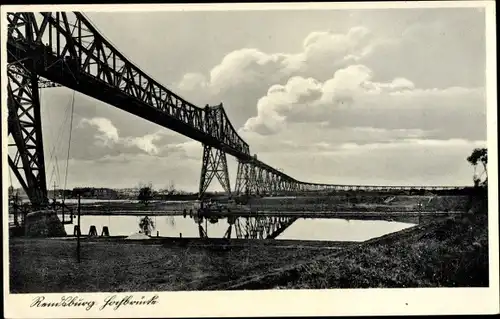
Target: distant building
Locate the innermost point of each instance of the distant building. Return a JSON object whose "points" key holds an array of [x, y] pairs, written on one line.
{"points": [[59, 193], [97, 193], [128, 193]]}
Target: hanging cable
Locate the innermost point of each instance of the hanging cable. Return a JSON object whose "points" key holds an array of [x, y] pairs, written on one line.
{"points": [[69, 145], [58, 174], [57, 138]]}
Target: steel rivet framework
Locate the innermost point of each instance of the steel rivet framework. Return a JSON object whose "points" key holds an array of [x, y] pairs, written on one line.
{"points": [[24, 121], [214, 160]]}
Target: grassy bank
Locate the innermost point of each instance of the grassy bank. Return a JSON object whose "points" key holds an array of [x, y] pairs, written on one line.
{"points": [[448, 253], [49, 265]]}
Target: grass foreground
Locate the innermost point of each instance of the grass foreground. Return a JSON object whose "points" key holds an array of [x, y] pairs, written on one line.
{"points": [[452, 252]]}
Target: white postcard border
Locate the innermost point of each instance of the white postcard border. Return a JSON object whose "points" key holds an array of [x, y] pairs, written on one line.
{"points": [[284, 302]]}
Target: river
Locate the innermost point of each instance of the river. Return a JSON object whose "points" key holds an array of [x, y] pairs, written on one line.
{"points": [[328, 229], [301, 229]]}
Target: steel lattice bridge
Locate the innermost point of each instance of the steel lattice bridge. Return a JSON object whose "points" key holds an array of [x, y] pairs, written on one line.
{"points": [[65, 49]]}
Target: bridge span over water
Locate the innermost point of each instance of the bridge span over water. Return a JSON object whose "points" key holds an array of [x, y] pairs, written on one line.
{"points": [[47, 49]]}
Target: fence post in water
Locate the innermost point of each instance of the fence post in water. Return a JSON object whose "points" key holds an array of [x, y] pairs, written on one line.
{"points": [[105, 231], [92, 231], [157, 233]]}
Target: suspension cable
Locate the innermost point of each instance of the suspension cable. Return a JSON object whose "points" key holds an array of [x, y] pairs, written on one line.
{"points": [[53, 152], [69, 145]]}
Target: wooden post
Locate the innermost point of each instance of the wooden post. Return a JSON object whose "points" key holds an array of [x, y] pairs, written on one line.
{"points": [[78, 234], [62, 210], [16, 211]]}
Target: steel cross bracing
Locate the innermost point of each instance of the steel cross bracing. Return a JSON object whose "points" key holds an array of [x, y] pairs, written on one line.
{"points": [[66, 49], [24, 129], [214, 164]]}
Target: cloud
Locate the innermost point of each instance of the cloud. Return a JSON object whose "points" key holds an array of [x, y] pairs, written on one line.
{"points": [[108, 142], [244, 75], [345, 68], [352, 99], [107, 132], [145, 143], [431, 50]]}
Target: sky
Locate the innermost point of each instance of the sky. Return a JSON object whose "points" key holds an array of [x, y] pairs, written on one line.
{"points": [[370, 97]]}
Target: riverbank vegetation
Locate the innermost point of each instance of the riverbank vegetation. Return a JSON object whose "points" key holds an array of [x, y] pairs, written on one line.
{"points": [[451, 253]]}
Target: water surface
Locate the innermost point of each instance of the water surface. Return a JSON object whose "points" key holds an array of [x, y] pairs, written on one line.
{"points": [[302, 229]]}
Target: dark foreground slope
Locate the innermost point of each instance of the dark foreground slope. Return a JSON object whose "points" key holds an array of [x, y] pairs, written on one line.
{"points": [[448, 253], [39, 265]]}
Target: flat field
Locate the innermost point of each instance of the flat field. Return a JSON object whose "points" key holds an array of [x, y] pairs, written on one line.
{"points": [[49, 265]]}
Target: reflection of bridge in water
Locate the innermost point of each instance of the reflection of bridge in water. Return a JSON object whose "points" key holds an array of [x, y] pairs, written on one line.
{"points": [[49, 49]]}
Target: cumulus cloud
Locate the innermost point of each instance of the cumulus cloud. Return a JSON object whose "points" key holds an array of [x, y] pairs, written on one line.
{"points": [[352, 99], [244, 75], [108, 143], [145, 143], [107, 132], [322, 53]]}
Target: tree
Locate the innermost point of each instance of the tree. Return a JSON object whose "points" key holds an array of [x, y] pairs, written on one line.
{"points": [[145, 194], [11, 190], [479, 155], [146, 225], [171, 188]]}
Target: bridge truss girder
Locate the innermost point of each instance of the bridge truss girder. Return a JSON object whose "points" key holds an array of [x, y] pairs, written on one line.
{"points": [[254, 179], [74, 54]]}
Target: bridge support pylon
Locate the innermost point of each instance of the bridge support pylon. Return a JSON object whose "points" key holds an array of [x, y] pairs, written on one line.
{"points": [[214, 164], [242, 186], [25, 130]]}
